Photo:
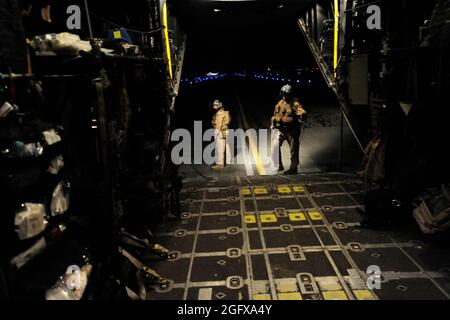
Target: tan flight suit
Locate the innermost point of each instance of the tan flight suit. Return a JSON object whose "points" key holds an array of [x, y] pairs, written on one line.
{"points": [[289, 118], [221, 121]]}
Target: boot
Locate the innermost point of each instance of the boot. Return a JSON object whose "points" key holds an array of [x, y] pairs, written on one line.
{"points": [[291, 171], [218, 167]]}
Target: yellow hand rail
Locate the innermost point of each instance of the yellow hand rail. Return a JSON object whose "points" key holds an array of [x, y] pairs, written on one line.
{"points": [[336, 36], [166, 36]]}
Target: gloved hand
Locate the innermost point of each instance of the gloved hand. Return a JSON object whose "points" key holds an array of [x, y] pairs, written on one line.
{"points": [[224, 133], [276, 122]]}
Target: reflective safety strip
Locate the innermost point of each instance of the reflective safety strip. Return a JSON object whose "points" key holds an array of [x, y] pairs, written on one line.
{"points": [[262, 297], [205, 294], [363, 295], [329, 283], [315, 216], [250, 218], [286, 285], [290, 296], [297, 216], [246, 191], [284, 189], [299, 189], [334, 295], [261, 190], [268, 218]]}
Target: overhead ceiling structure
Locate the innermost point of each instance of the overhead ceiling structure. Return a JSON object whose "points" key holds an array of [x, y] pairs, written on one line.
{"points": [[237, 34]]}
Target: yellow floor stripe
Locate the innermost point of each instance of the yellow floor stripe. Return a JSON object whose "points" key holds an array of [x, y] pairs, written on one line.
{"points": [[363, 295], [262, 297], [261, 190], [284, 189], [297, 216], [315, 216], [253, 144], [246, 191], [290, 296], [268, 218], [334, 295], [250, 219]]}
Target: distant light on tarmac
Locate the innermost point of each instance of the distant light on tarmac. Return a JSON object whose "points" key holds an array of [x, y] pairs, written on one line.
{"points": [[297, 78]]}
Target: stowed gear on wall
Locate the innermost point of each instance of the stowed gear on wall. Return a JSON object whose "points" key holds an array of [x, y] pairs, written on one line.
{"points": [[85, 170]]}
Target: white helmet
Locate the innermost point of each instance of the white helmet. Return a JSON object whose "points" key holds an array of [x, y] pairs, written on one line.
{"points": [[286, 90], [218, 103]]}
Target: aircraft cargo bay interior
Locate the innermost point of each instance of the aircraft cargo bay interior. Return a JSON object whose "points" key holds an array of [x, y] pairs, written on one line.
{"points": [[228, 150]]}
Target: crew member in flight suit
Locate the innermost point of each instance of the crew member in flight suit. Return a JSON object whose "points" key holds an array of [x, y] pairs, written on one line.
{"points": [[287, 120], [220, 122]]}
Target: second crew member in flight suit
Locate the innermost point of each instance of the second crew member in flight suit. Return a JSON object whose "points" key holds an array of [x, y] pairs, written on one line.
{"points": [[288, 117], [220, 122]]}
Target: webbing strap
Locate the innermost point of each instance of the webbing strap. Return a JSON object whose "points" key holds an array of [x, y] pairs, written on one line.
{"points": [[133, 242], [139, 265], [132, 259]]}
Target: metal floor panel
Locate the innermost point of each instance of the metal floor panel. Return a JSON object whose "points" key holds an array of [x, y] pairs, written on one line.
{"points": [[291, 238]]}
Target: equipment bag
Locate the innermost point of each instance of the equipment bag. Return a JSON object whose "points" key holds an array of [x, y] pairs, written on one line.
{"points": [[432, 211], [373, 167]]}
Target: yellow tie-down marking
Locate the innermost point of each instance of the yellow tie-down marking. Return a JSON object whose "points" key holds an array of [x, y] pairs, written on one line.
{"points": [[299, 189], [315, 216], [268, 218], [363, 295], [297, 216], [246, 191], [334, 295], [250, 218], [261, 190], [290, 296], [262, 297], [284, 189]]}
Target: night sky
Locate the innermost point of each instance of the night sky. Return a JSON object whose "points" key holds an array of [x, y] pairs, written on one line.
{"points": [[242, 36]]}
